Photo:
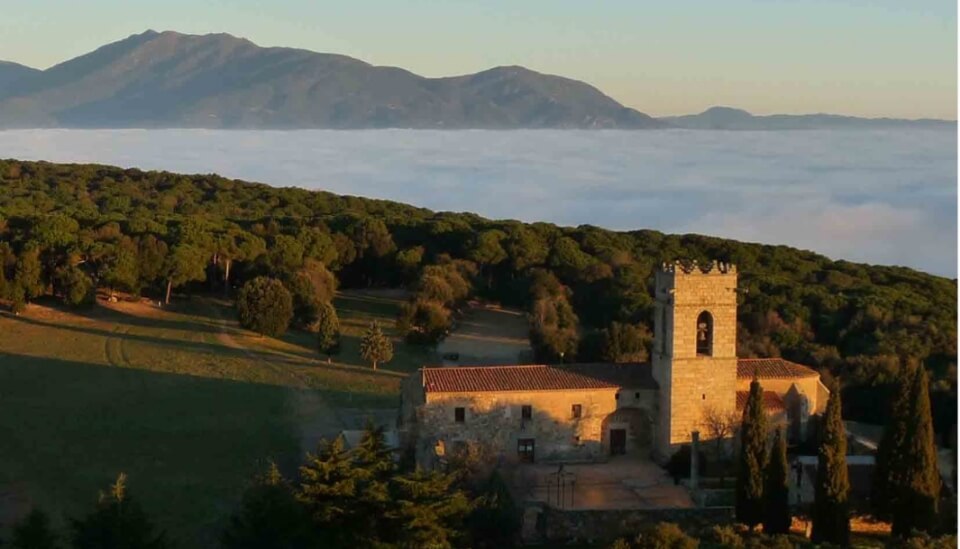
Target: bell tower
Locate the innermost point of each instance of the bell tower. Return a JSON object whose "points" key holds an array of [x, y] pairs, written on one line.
{"points": [[695, 347]]}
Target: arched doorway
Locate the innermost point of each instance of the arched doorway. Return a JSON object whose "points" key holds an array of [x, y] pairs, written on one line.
{"points": [[627, 431]]}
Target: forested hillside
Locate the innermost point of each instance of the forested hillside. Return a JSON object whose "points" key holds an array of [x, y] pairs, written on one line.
{"points": [[66, 229]]}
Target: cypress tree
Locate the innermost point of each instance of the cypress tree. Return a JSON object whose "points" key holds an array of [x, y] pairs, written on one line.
{"points": [[831, 515], [753, 453], [776, 493], [328, 330], [917, 501], [888, 473]]}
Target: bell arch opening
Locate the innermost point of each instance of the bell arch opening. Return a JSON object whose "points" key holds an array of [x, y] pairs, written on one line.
{"points": [[705, 334]]}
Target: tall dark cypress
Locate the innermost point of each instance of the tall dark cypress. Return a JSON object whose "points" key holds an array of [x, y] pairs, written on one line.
{"points": [[752, 456], [888, 473], [831, 513], [917, 503], [776, 493]]}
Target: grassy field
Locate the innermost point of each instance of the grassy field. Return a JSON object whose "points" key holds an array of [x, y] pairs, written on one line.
{"points": [[184, 401]]}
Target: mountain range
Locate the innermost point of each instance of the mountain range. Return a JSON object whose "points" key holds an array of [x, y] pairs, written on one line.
{"points": [[174, 80]]}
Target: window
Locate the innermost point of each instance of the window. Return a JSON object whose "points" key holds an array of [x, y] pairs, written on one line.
{"points": [[577, 411], [526, 412], [705, 334], [636, 395], [525, 450], [459, 414]]}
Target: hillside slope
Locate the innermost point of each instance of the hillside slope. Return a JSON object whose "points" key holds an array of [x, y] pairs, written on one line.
{"points": [[170, 79]]}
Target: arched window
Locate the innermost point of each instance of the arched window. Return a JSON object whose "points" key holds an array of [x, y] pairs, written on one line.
{"points": [[705, 334]]}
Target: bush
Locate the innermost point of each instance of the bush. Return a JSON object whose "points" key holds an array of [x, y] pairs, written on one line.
{"points": [[265, 306], [665, 535], [725, 537]]}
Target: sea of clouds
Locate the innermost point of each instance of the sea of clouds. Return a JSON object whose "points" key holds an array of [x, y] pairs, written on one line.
{"points": [[887, 197]]}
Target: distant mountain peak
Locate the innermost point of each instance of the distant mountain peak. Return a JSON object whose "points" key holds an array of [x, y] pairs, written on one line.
{"points": [[170, 79], [721, 110]]}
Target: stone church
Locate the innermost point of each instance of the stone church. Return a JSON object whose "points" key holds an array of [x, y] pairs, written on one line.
{"points": [[588, 412]]}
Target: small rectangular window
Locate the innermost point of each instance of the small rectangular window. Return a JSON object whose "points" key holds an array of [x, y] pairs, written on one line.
{"points": [[636, 395], [526, 411], [577, 411], [459, 414], [525, 450]]}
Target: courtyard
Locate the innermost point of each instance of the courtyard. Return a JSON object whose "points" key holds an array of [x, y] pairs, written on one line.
{"points": [[623, 482]]}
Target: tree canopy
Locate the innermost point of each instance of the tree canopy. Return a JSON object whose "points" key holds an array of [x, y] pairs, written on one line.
{"points": [[198, 232]]}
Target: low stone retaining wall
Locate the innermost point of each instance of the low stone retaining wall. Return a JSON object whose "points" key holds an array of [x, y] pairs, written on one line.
{"points": [[607, 525]]}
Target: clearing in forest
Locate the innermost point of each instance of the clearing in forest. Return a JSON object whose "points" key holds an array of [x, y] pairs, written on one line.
{"points": [[181, 398], [487, 334]]}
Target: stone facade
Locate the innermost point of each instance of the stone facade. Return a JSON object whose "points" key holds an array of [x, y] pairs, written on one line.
{"points": [[691, 380], [647, 410]]}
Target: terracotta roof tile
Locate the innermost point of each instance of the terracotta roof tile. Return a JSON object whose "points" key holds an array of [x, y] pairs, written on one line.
{"points": [[464, 379], [772, 368], [771, 401]]}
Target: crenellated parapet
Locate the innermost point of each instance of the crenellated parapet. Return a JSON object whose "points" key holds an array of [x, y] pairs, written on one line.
{"points": [[692, 266]]}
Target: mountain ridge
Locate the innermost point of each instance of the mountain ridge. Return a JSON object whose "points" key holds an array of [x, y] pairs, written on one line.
{"points": [[168, 79], [173, 80]]}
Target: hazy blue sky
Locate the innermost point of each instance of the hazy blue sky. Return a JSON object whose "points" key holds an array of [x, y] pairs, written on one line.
{"points": [[862, 57]]}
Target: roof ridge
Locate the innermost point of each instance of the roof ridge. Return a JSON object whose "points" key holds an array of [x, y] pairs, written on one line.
{"points": [[485, 367]]}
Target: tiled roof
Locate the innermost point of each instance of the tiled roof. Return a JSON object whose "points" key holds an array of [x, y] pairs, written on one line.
{"points": [[465, 379], [772, 368], [771, 401]]}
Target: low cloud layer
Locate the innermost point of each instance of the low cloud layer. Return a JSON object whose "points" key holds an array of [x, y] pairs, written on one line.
{"points": [[885, 197]]}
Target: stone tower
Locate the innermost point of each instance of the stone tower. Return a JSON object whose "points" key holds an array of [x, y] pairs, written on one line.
{"points": [[695, 348]]}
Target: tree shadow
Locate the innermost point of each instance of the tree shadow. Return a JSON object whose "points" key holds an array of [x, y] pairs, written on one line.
{"points": [[312, 361], [189, 444]]}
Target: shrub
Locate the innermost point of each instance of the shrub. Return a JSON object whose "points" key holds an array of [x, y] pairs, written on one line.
{"points": [[265, 306]]}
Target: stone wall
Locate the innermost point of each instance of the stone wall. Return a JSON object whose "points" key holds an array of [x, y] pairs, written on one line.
{"points": [[495, 419], [692, 383], [558, 526]]}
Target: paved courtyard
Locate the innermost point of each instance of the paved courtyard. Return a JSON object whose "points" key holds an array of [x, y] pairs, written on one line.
{"points": [[622, 483]]}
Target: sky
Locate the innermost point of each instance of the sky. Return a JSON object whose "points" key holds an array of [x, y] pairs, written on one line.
{"points": [[860, 57], [879, 196]]}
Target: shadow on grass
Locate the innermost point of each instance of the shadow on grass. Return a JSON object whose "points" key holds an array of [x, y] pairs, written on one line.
{"points": [[189, 444], [201, 347]]}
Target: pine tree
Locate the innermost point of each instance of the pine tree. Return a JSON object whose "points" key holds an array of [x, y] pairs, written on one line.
{"points": [[374, 346], [428, 511], [753, 452], [34, 532], [328, 490], [888, 473], [831, 515], [269, 516], [328, 330], [373, 467], [776, 493], [495, 520], [917, 501], [118, 522]]}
